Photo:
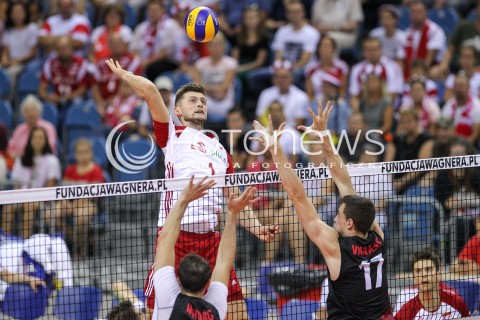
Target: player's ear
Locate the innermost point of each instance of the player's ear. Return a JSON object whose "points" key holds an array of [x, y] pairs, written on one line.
{"points": [[207, 285], [177, 111]]}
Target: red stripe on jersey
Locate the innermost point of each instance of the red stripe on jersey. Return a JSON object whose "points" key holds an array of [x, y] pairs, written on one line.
{"points": [[81, 28], [161, 133], [47, 27]]}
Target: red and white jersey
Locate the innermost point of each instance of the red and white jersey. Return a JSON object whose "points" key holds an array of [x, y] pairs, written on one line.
{"points": [[464, 117], [451, 306], [77, 26], [430, 87], [316, 70], [191, 152], [473, 82], [429, 113], [65, 78], [387, 68], [121, 107], [100, 36], [105, 79]]}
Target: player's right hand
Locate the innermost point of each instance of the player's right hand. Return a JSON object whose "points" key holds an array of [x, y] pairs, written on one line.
{"points": [[320, 121], [236, 205], [196, 191], [116, 68]]}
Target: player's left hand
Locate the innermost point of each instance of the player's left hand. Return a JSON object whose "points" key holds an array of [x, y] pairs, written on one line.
{"points": [[267, 232], [320, 121], [196, 191], [236, 205], [268, 137]]}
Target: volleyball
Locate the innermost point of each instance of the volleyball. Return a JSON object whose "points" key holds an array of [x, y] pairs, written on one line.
{"points": [[201, 24]]}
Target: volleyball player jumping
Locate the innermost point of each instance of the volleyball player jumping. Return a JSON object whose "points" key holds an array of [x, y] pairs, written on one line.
{"points": [[353, 249]]}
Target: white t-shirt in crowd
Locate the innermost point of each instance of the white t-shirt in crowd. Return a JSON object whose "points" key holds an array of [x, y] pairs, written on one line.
{"points": [[292, 43], [459, 115], [45, 167], [167, 289], [390, 45], [20, 41], [474, 83], [295, 103]]}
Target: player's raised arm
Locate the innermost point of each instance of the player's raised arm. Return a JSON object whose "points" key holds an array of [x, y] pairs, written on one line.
{"points": [[337, 167], [165, 253], [324, 236], [145, 89], [226, 249]]}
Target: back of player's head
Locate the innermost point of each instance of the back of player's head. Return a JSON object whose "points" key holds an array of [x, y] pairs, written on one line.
{"points": [[189, 87], [361, 210], [124, 311], [194, 273], [428, 253]]}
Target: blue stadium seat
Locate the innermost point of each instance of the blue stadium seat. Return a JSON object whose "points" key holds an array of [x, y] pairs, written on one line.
{"points": [[469, 291], [178, 78], [4, 84], [6, 114], [77, 303], [17, 297], [140, 295], [257, 309], [99, 154], [298, 310], [81, 121], [238, 87], [134, 150], [28, 82], [130, 15], [447, 18], [404, 17]]}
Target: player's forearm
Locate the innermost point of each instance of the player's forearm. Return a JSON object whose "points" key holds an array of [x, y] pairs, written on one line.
{"points": [[228, 243], [9, 277], [171, 227], [249, 220]]}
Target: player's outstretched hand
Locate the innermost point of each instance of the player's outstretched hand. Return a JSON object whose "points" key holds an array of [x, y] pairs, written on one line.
{"points": [[267, 232], [196, 191], [320, 122], [268, 137], [116, 68], [236, 205]]}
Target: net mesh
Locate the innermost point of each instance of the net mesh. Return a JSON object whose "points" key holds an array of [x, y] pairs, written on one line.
{"points": [[92, 245]]}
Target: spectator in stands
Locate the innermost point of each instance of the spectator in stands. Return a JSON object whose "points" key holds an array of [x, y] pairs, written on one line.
{"points": [[432, 301], [468, 261], [217, 74], [123, 293], [377, 63], [295, 42], [31, 110], [392, 38], [425, 40], [326, 61], [234, 140], [67, 74], [19, 42], [155, 40], [468, 66], [338, 19], [82, 210], [427, 108], [295, 102], [406, 145], [36, 168], [251, 44], [4, 159], [459, 192], [466, 34], [277, 12], [124, 107], [125, 310], [463, 109], [113, 15], [376, 106], [350, 144], [419, 70], [105, 84], [165, 87], [65, 23], [439, 145], [338, 120], [232, 17]]}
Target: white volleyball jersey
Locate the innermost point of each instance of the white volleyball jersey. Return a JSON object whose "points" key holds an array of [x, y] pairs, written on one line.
{"points": [[191, 152]]}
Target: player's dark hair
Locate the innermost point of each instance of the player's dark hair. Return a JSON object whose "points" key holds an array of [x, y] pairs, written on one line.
{"points": [[194, 273], [361, 210], [124, 311], [426, 254], [189, 87]]}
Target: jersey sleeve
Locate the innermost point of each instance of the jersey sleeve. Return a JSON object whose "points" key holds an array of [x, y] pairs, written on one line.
{"points": [[408, 310], [231, 168], [163, 131], [471, 251], [217, 296], [167, 289]]}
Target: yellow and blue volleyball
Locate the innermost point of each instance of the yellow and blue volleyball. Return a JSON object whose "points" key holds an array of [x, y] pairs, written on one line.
{"points": [[201, 24]]}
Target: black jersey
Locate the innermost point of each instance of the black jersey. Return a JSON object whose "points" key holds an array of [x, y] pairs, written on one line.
{"points": [[361, 290], [191, 308]]}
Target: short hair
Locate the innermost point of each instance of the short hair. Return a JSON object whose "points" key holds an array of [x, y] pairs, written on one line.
{"points": [[413, 2], [372, 39], [417, 63], [123, 311], [428, 253], [158, 2], [31, 100], [409, 112], [194, 273], [116, 8], [236, 110], [361, 210], [189, 87]]}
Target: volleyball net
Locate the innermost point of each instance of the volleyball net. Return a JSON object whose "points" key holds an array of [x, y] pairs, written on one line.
{"points": [[92, 245]]}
